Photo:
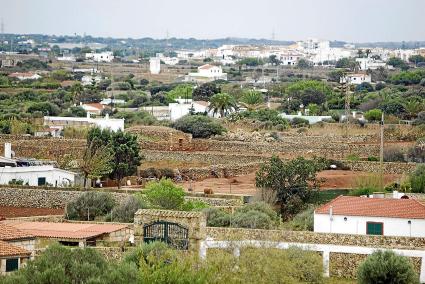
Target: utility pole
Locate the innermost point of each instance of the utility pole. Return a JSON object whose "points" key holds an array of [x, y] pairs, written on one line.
{"points": [[381, 152], [343, 88]]}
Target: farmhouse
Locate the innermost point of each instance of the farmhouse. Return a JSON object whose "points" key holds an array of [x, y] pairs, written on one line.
{"points": [[25, 76], [114, 124], [371, 216], [16, 247], [72, 234], [207, 73], [33, 172]]}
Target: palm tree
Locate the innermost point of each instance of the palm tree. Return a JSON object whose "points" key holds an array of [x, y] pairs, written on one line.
{"points": [[413, 108], [252, 100], [360, 53], [222, 103], [368, 51], [77, 90]]}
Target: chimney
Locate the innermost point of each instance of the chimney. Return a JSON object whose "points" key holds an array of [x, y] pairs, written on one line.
{"points": [[8, 150]]}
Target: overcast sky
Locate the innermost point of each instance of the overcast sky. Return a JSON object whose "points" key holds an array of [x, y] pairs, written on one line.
{"points": [[349, 20]]}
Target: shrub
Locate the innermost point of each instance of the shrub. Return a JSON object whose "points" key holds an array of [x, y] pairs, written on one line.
{"points": [[194, 205], [252, 220], [361, 191], [260, 207], [386, 267], [90, 205], [417, 179], [217, 217], [373, 115], [372, 159], [143, 251], [303, 221], [124, 212], [393, 154], [299, 122], [353, 157], [164, 194], [199, 126]]}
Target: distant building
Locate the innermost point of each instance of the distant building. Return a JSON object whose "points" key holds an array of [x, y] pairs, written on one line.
{"points": [[66, 58], [207, 73], [371, 216], [100, 57], [312, 119], [33, 172], [114, 124], [356, 78], [155, 65], [93, 108], [25, 76], [109, 101], [87, 80], [370, 63]]}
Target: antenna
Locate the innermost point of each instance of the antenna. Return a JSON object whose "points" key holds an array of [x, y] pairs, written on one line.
{"points": [[273, 34]]}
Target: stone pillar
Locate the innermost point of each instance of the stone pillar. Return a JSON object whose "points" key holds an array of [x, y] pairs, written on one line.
{"points": [[326, 272]]}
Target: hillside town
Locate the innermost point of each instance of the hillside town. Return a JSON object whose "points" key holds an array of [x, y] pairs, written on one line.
{"points": [[232, 160]]}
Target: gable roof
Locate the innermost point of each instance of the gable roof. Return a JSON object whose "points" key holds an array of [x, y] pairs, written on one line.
{"points": [[7, 249], [10, 233], [374, 207], [65, 230], [206, 67]]}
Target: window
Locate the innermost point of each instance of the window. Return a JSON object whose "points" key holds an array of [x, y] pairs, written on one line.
{"points": [[41, 181], [373, 228], [12, 264]]}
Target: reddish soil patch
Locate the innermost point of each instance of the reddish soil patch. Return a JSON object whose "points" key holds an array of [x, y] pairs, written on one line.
{"points": [[245, 184], [12, 212]]}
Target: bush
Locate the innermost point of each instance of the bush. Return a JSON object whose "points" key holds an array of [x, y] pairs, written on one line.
{"points": [[258, 215], [386, 267], [393, 154], [361, 191], [90, 205], [194, 205], [303, 221], [199, 126], [164, 194], [299, 122], [353, 157], [143, 251], [373, 115], [124, 212], [417, 179], [217, 217], [372, 159]]}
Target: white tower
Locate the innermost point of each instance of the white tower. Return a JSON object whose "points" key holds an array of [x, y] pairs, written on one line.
{"points": [[155, 65]]}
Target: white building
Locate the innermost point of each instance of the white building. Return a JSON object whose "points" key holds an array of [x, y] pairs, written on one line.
{"points": [[66, 58], [25, 76], [207, 73], [155, 65], [312, 119], [371, 216], [93, 108], [100, 57], [183, 107], [114, 124], [32, 172], [87, 80], [356, 79], [370, 63]]}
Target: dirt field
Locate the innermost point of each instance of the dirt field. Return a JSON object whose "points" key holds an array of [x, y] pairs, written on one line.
{"points": [[245, 184], [12, 212]]}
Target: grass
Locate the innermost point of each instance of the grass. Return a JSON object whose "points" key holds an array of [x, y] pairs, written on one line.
{"points": [[327, 195]]}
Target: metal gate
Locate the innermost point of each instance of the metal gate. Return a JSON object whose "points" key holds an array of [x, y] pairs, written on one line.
{"points": [[173, 234]]}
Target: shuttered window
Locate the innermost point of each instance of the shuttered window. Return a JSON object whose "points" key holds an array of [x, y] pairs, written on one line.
{"points": [[12, 264], [373, 228]]}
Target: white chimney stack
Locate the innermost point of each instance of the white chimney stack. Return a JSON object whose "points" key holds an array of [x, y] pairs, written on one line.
{"points": [[8, 150]]}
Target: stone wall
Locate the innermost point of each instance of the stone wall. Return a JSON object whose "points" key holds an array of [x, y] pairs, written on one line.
{"points": [[56, 198], [316, 238]]}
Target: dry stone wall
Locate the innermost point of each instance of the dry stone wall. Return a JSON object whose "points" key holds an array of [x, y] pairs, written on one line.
{"points": [[374, 167]]}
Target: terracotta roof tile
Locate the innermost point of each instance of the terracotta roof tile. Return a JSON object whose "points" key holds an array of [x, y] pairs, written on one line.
{"points": [[7, 249], [374, 207], [8, 233], [65, 230]]}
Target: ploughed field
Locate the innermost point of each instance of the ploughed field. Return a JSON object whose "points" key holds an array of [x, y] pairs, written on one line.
{"points": [[13, 212], [245, 184]]}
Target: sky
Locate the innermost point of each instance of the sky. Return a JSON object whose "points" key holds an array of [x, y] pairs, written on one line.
{"points": [[348, 20]]}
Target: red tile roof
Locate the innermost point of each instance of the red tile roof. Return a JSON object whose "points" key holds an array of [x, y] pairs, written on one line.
{"points": [[65, 230], [374, 207], [9, 233], [206, 66], [7, 249]]}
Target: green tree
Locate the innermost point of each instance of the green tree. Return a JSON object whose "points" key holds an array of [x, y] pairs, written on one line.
{"points": [[96, 162], [252, 100], [90, 205], [273, 60], [304, 64], [127, 156], [251, 61], [222, 104], [373, 115], [199, 126], [397, 63], [417, 179], [309, 91], [77, 90], [164, 194], [205, 91], [181, 91], [46, 108], [387, 267], [293, 181]]}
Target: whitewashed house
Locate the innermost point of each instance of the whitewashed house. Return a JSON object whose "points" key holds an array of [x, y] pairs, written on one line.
{"points": [[100, 57], [207, 73], [33, 172], [59, 122], [155, 65], [25, 76], [371, 216], [356, 78], [370, 63]]}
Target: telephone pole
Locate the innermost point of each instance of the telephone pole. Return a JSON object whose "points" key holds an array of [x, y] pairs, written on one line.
{"points": [[381, 151]]}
